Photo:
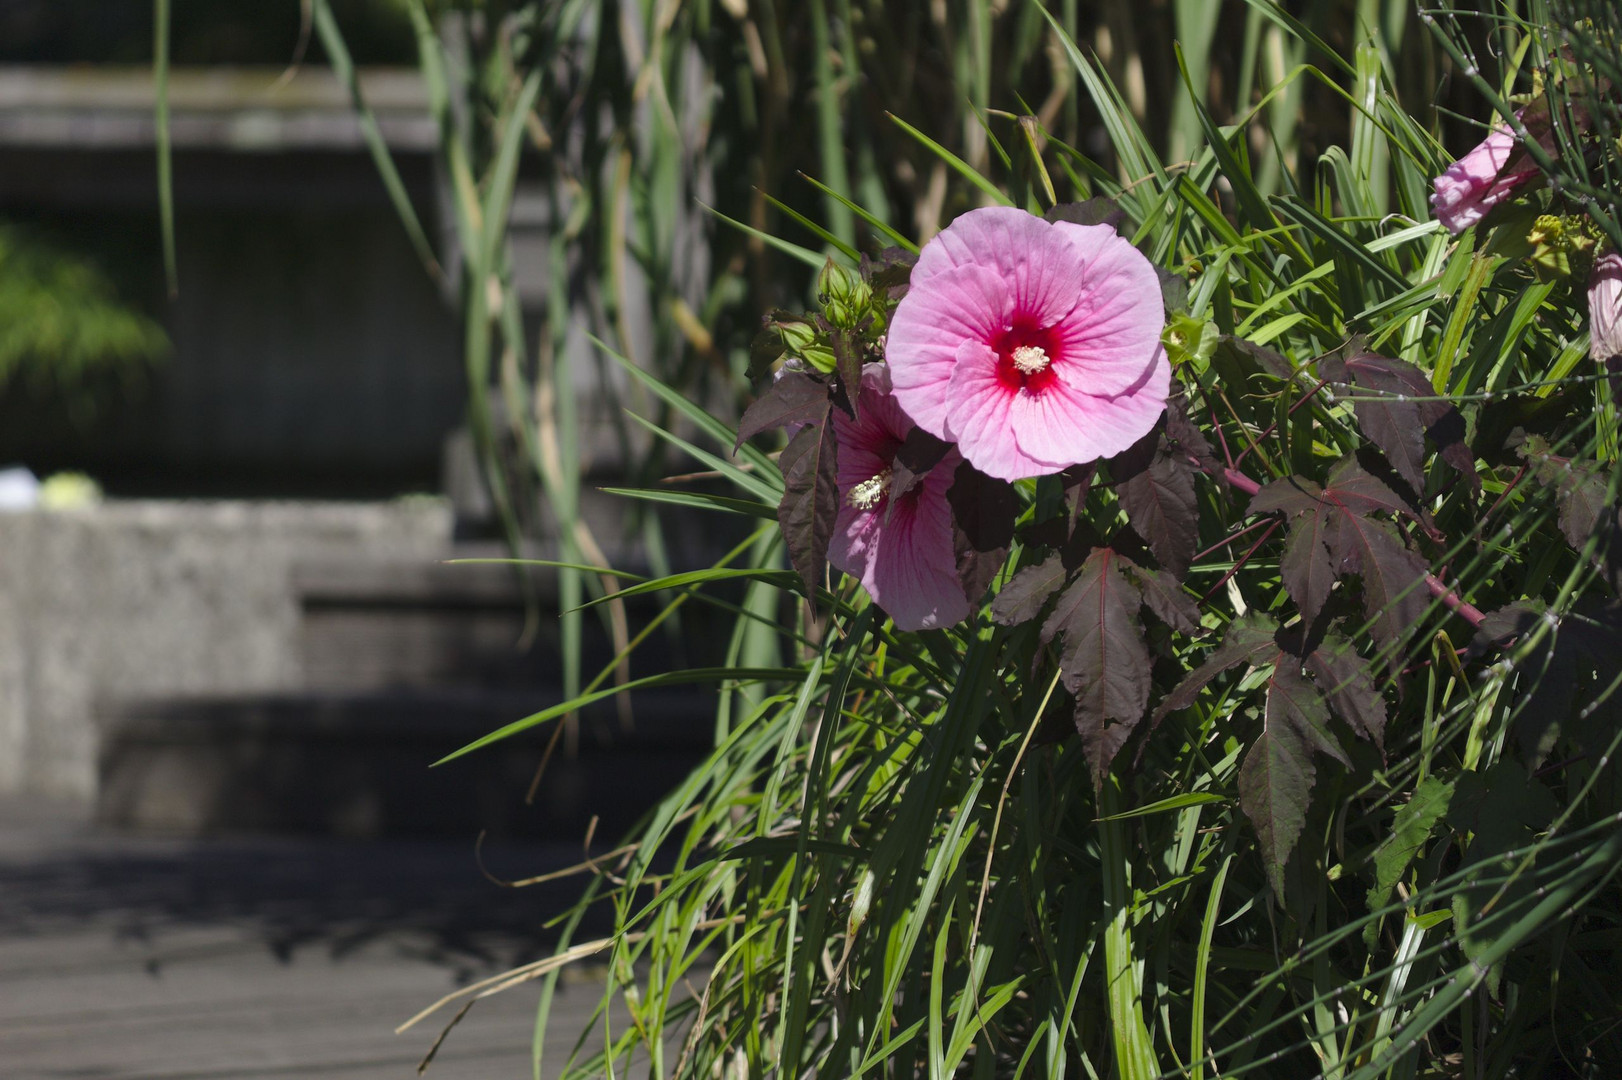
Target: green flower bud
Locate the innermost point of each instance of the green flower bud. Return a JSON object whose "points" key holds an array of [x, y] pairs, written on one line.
{"points": [[1189, 340]]}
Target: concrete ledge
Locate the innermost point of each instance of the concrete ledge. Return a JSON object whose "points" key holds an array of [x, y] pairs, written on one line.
{"points": [[133, 599]]}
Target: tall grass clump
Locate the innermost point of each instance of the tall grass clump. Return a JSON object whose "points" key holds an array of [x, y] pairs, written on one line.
{"points": [[1258, 723]]}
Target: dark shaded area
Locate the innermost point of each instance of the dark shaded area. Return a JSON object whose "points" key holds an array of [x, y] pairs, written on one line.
{"points": [[203, 31], [292, 891], [357, 765], [312, 356]]}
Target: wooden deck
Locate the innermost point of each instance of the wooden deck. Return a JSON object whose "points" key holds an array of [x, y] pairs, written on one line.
{"points": [[125, 958]]}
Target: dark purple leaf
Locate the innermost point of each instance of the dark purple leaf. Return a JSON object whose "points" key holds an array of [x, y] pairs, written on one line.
{"points": [[810, 501], [1022, 598], [1346, 682], [764, 350], [1251, 357], [1581, 491], [1166, 598], [1358, 491], [1159, 504], [1136, 458], [1173, 291], [1275, 789], [1383, 389], [1394, 593], [976, 569], [1507, 623], [1306, 567], [1551, 676], [1276, 778], [1387, 412], [1247, 637], [1292, 495], [1583, 503], [1100, 742], [983, 514], [1292, 700], [1077, 481], [920, 451], [1155, 484], [984, 508], [889, 269], [1096, 211], [1104, 660], [793, 399], [847, 348], [1184, 438]]}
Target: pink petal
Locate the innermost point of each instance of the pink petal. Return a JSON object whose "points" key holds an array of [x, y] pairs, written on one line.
{"points": [[1061, 425], [962, 303], [914, 574], [1041, 277], [1476, 182], [1119, 313], [980, 418]]}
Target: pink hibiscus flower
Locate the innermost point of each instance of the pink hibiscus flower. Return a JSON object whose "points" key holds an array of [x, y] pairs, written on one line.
{"points": [[1033, 346], [902, 553], [1478, 181]]}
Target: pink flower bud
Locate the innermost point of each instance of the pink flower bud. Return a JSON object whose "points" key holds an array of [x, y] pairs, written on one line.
{"points": [[1480, 180], [1605, 307]]}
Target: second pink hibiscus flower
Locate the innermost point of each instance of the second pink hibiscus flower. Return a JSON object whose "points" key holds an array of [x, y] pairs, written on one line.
{"points": [[902, 553], [1033, 346]]}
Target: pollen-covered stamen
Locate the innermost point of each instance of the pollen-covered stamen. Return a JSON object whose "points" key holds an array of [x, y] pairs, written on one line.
{"points": [[1030, 359], [866, 495]]}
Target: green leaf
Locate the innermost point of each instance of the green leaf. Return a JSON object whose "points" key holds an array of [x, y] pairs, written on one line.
{"points": [[1409, 831], [963, 168], [668, 678], [1167, 805], [696, 499]]}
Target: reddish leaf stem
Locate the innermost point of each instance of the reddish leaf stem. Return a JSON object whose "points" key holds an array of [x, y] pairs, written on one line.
{"points": [[1230, 538], [1227, 455], [1272, 527], [1438, 588], [1493, 509]]}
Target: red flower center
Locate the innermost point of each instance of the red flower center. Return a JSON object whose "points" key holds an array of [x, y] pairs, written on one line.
{"points": [[1025, 357]]}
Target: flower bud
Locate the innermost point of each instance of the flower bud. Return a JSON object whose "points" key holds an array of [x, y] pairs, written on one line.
{"points": [[1605, 308], [845, 296]]}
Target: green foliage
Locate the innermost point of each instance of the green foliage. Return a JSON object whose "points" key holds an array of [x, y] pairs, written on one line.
{"points": [[60, 319], [1214, 784]]}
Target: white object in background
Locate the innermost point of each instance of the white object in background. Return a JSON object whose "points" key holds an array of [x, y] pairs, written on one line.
{"points": [[19, 489]]}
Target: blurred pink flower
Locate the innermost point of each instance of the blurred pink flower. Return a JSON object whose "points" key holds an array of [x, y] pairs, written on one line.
{"points": [[903, 553], [1477, 182], [1605, 307], [1033, 346]]}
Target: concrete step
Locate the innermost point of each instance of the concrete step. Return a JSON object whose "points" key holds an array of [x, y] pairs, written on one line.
{"points": [[357, 764]]}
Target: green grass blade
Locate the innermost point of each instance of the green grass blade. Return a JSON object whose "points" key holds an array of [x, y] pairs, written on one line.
{"points": [[963, 168], [668, 678], [160, 121], [332, 40]]}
